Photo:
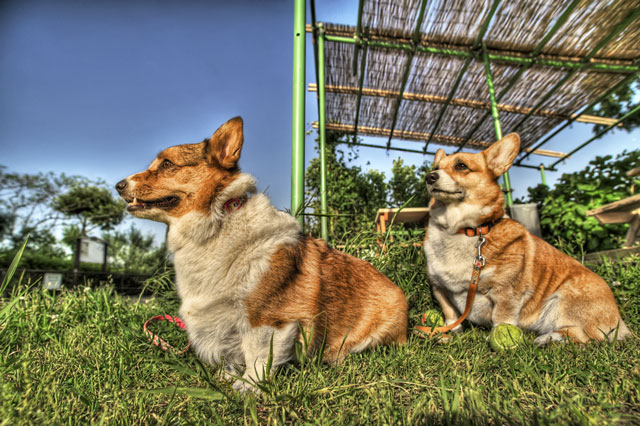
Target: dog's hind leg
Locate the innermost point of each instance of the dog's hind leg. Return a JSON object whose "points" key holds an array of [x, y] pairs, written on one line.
{"points": [[263, 346]]}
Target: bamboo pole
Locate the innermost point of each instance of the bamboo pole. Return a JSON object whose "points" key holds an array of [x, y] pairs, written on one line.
{"points": [[421, 137], [468, 103], [415, 137]]}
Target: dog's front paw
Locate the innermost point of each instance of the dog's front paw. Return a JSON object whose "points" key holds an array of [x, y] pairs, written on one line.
{"points": [[545, 339], [457, 329], [242, 386], [229, 373]]}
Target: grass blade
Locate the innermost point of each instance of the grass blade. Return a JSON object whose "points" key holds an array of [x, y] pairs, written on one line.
{"points": [[199, 393], [12, 268]]}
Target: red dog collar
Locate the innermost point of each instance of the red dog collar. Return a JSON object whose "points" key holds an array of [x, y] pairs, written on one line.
{"points": [[483, 229]]}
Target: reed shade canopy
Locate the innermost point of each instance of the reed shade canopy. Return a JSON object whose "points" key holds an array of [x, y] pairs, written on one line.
{"points": [[414, 70]]}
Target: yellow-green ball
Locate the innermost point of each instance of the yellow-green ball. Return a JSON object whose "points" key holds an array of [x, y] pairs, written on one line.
{"points": [[505, 337], [433, 318]]}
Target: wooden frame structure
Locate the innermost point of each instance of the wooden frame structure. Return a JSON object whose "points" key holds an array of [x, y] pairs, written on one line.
{"points": [[435, 72]]}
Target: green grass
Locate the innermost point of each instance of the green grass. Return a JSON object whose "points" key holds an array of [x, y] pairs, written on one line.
{"points": [[78, 357]]}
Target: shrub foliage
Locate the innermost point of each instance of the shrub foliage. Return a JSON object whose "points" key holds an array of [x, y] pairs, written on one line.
{"points": [[563, 208]]}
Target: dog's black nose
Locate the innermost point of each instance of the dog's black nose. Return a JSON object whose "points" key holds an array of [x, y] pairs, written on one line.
{"points": [[120, 186], [432, 178]]}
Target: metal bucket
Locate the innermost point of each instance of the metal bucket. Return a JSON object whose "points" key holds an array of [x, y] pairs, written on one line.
{"points": [[527, 215]]}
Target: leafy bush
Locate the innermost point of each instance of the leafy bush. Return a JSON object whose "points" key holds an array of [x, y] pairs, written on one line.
{"points": [[354, 196], [563, 208]]}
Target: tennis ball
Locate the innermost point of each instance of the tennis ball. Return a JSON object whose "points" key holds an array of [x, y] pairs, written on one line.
{"points": [[432, 318], [505, 337]]}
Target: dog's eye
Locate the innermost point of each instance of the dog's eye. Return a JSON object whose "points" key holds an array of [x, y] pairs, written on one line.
{"points": [[166, 164], [461, 167]]}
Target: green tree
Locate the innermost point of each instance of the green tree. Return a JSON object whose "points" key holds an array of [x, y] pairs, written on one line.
{"points": [[563, 208], [353, 195], [92, 205], [25, 207], [619, 103], [408, 183], [133, 251]]}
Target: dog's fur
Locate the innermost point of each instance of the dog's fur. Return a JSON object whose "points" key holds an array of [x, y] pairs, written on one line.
{"points": [[526, 282], [247, 277]]}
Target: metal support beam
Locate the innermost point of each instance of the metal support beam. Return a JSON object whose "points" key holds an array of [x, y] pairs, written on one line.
{"points": [[297, 128], [463, 70], [405, 77], [617, 30], [603, 66], [363, 65], [586, 109], [324, 230], [358, 36], [496, 118], [630, 113]]}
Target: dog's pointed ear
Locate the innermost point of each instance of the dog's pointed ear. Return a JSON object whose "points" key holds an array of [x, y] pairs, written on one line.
{"points": [[225, 145], [440, 154], [501, 154]]}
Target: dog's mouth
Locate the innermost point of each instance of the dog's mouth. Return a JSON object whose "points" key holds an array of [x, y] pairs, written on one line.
{"points": [[164, 203], [444, 195], [442, 191]]}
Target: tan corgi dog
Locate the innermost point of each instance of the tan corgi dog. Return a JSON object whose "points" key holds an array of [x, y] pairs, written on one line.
{"points": [[246, 276], [526, 282]]}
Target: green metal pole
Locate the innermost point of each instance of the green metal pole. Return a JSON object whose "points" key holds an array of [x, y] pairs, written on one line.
{"points": [[496, 118], [363, 65], [542, 175], [630, 113], [324, 229], [356, 47], [297, 129]]}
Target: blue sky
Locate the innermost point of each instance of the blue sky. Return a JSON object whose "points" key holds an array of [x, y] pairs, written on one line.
{"points": [[97, 88]]}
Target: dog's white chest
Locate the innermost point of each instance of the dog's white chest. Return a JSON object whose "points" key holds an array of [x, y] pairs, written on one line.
{"points": [[450, 266], [450, 259]]}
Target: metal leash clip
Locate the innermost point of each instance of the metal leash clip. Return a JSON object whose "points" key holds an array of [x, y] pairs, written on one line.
{"points": [[480, 260]]}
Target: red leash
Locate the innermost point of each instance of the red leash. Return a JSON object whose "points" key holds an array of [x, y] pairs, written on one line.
{"points": [[157, 340]]}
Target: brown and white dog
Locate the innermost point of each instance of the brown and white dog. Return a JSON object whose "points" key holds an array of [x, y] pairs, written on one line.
{"points": [[526, 282], [245, 273]]}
